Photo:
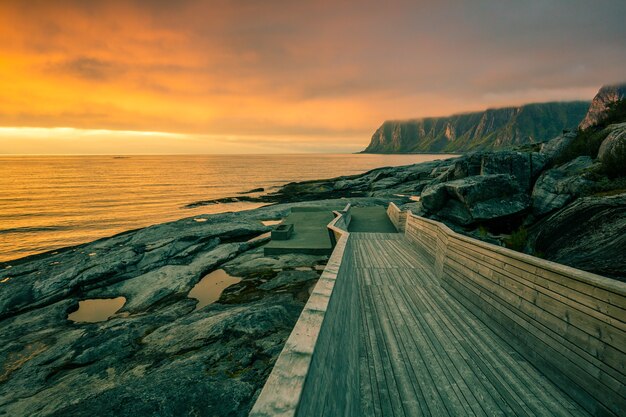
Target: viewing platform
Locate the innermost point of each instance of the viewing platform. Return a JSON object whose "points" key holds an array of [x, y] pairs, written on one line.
{"points": [[428, 322], [310, 235]]}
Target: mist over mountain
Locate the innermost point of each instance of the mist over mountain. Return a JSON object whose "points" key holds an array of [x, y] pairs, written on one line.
{"points": [[490, 129]]}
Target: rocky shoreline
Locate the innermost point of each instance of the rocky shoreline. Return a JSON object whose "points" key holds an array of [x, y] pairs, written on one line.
{"points": [[157, 355]]}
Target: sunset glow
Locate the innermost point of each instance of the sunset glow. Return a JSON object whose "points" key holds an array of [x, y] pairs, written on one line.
{"points": [[253, 77]]}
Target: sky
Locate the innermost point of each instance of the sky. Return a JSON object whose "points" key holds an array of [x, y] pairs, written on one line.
{"points": [[272, 76]]}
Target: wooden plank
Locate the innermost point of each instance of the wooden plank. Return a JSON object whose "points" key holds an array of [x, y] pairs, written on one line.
{"points": [[383, 385], [553, 333], [370, 398], [470, 387], [423, 398], [488, 345], [391, 392], [425, 354], [442, 401], [603, 314], [600, 287], [503, 381]]}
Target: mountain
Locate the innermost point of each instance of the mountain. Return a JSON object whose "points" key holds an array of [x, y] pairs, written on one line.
{"points": [[489, 129], [597, 111]]}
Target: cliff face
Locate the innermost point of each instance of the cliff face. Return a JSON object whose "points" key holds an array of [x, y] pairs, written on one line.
{"points": [[597, 111], [489, 129]]}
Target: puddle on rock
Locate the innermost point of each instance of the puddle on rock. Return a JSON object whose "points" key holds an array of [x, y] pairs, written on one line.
{"points": [[271, 222], [97, 309], [303, 268], [209, 289], [259, 237], [410, 197]]}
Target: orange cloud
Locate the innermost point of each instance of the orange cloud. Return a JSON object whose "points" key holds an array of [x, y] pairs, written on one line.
{"points": [[324, 74]]}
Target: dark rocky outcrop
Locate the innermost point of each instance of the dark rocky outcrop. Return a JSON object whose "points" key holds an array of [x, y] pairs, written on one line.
{"points": [[589, 234], [475, 199], [487, 130], [607, 95], [558, 186], [157, 355]]}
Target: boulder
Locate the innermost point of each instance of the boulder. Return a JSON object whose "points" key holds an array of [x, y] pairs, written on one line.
{"points": [[456, 212], [467, 166], [415, 207], [386, 183], [614, 146], [475, 199], [555, 147], [478, 188], [434, 197], [558, 186], [525, 167], [588, 234]]}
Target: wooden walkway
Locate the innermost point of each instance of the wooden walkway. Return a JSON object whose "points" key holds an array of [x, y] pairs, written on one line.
{"points": [[424, 354]]}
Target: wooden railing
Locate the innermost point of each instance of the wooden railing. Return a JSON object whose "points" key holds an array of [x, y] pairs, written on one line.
{"points": [[397, 216], [339, 226], [569, 323], [318, 368]]}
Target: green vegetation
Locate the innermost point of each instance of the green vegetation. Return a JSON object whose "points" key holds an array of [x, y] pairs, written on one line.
{"points": [[604, 186], [517, 240], [586, 143]]}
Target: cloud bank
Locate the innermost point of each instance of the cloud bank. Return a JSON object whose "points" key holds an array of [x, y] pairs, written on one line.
{"points": [[281, 75]]}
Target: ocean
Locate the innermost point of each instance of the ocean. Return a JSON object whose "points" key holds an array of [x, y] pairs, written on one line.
{"points": [[49, 202]]}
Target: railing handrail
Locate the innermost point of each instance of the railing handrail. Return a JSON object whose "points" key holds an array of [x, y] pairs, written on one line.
{"points": [[586, 277], [283, 389]]}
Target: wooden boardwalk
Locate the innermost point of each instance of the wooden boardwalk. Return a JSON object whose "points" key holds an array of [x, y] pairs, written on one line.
{"points": [[424, 354]]}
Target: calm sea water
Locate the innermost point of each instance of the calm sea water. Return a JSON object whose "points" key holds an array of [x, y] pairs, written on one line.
{"points": [[50, 202]]}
